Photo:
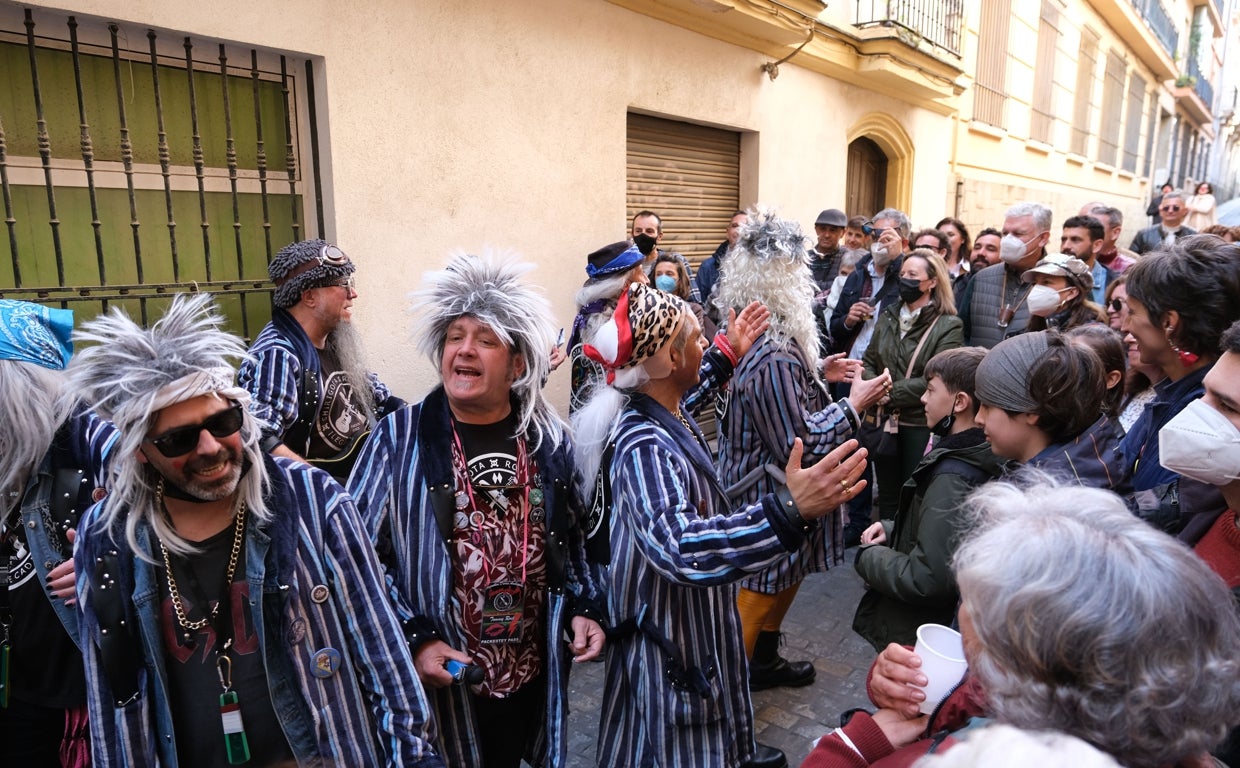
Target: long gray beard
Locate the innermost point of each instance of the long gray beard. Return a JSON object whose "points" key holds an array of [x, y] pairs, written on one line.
{"points": [[346, 342]]}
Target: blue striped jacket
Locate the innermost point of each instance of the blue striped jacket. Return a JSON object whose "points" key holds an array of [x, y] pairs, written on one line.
{"points": [[683, 550], [406, 461], [370, 712], [774, 399]]}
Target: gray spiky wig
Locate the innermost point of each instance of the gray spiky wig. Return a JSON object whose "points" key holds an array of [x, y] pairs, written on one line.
{"points": [[128, 373], [769, 264], [297, 268], [489, 288]]}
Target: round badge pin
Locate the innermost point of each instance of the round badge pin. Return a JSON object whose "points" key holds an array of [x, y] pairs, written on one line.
{"points": [[320, 593], [536, 497], [462, 500], [326, 662], [537, 514]]}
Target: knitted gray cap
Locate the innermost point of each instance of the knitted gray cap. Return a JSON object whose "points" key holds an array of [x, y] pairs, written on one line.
{"points": [[1003, 375], [304, 265]]}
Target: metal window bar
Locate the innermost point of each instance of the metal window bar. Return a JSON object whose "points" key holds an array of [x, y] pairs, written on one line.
{"points": [[1155, 16], [1201, 84], [937, 22], [111, 157], [1042, 117], [1087, 64]]}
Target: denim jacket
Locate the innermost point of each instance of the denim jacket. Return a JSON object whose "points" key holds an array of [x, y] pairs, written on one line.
{"points": [[369, 712]]}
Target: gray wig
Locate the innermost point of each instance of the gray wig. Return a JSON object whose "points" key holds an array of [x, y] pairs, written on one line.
{"points": [[32, 409], [1093, 623], [489, 288], [769, 264], [123, 374]]}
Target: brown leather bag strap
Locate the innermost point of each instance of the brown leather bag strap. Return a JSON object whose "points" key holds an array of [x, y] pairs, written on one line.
{"points": [[913, 360]]}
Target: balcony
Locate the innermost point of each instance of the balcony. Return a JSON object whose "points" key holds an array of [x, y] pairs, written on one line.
{"points": [[937, 22], [1202, 86], [1158, 20]]}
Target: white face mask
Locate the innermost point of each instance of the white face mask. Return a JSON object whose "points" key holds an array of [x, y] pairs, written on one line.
{"points": [[1043, 300], [1012, 248], [881, 257], [1200, 443]]}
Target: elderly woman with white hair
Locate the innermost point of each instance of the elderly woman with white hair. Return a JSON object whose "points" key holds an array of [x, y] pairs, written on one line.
{"points": [[1080, 619]]}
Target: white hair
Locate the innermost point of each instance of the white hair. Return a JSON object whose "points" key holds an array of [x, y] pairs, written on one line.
{"points": [[488, 287], [769, 264], [121, 374], [32, 409], [1012, 747]]}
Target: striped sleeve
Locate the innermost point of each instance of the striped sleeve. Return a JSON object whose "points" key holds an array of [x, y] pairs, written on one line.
{"points": [[655, 498], [777, 407], [270, 375]]}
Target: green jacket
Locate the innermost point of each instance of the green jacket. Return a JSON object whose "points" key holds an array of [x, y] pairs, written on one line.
{"points": [[888, 350], [909, 578]]}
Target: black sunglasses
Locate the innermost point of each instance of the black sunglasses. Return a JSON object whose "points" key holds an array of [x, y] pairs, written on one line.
{"points": [[1117, 305], [182, 440]]}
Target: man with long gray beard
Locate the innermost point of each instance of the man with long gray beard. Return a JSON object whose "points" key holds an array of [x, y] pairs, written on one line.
{"points": [[306, 378]]}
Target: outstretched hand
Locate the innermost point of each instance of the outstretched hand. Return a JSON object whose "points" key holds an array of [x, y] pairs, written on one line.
{"points": [[835, 479], [746, 327], [869, 392]]}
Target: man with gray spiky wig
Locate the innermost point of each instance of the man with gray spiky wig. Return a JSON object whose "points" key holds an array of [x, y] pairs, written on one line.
{"points": [[468, 496], [233, 608], [776, 396]]}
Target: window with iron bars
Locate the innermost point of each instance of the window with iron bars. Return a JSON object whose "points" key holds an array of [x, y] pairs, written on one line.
{"points": [[137, 163]]}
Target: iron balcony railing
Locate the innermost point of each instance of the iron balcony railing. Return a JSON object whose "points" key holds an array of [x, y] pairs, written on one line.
{"points": [[1200, 84], [1159, 22], [938, 22]]}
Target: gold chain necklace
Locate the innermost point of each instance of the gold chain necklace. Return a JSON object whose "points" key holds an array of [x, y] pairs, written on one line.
{"points": [[178, 606], [678, 414]]}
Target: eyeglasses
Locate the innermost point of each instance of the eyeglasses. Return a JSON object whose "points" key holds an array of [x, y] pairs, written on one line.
{"points": [[330, 254], [346, 283], [872, 231], [1117, 305], [1171, 209], [182, 440]]}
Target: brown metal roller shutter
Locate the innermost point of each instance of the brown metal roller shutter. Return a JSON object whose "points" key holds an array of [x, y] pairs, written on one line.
{"points": [[689, 175]]}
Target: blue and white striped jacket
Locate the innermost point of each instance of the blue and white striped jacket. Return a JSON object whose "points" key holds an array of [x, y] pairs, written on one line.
{"points": [[406, 461], [678, 551], [774, 399], [369, 712]]}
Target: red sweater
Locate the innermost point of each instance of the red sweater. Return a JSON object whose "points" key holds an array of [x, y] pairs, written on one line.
{"points": [[1220, 548]]}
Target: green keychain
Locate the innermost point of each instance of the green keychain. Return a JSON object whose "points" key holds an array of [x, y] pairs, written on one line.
{"points": [[235, 743]]}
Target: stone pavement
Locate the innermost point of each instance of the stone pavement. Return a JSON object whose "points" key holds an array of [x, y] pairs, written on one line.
{"points": [[818, 627]]}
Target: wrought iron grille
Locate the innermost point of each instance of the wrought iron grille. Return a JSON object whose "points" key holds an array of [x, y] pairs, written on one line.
{"points": [[938, 22], [111, 137]]}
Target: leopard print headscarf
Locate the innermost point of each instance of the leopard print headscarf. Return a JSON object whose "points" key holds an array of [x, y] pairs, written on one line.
{"points": [[644, 320]]}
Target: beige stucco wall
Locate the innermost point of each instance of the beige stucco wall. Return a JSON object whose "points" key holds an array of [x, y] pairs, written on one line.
{"points": [[458, 124]]}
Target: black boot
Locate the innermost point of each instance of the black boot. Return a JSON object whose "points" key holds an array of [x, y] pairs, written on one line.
{"points": [[767, 757], [768, 669]]}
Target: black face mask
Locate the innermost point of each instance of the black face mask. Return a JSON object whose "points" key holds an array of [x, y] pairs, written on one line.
{"points": [[943, 427], [910, 290], [645, 244]]}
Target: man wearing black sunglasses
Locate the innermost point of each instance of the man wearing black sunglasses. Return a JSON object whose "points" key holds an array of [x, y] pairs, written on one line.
{"points": [[307, 379], [233, 609], [1174, 211]]}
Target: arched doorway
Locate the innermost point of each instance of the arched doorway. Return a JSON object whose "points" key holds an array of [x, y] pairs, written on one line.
{"points": [[867, 178]]}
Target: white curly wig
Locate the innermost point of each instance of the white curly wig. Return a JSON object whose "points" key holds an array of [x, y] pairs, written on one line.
{"points": [[489, 288], [128, 373], [769, 264]]}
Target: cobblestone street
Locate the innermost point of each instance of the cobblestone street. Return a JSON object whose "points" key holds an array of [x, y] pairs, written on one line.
{"points": [[818, 627]]}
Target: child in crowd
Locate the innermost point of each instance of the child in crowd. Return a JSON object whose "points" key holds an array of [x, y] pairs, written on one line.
{"points": [[906, 562], [1041, 404]]}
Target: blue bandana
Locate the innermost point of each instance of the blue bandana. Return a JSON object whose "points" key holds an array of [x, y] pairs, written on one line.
{"points": [[32, 333], [613, 259]]}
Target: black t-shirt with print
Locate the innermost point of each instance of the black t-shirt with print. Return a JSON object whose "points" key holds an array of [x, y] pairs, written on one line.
{"points": [[193, 679], [341, 416]]}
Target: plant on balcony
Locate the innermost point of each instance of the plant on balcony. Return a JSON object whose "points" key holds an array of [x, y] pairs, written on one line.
{"points": [[1185, 80]]}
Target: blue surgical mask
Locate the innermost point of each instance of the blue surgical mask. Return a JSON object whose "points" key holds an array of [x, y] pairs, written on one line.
{"points": [[665, 283]]}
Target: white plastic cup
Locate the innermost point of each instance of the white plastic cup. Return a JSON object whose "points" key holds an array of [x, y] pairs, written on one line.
{"points": [[942, 662]]}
